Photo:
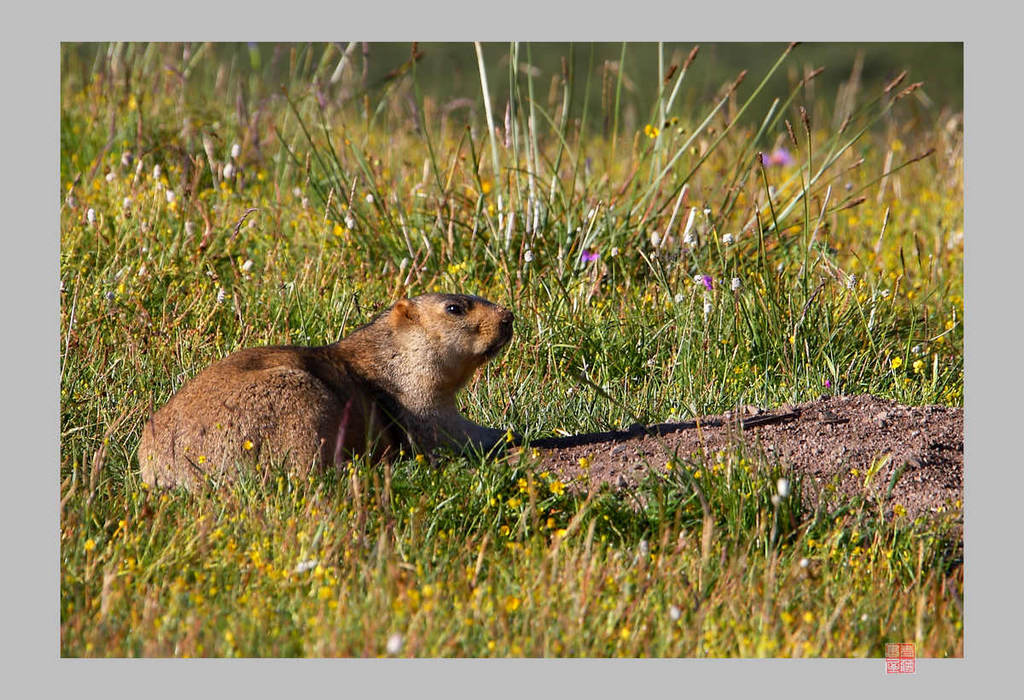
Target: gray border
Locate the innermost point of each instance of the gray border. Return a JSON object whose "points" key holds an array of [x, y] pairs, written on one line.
{"points": [[31, 121]]}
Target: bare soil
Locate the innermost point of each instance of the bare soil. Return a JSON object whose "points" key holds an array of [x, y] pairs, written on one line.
{"points": [[834, 438]]}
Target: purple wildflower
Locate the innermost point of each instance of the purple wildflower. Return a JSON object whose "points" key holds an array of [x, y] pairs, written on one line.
{"points": [[780, 156], [828, 384], [707, 280], [588, 256]]}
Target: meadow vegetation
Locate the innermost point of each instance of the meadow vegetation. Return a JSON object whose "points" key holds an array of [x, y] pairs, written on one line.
{"points": [[702, 258]]}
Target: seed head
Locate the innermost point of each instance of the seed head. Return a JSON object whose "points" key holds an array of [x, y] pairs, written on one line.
{"points": [[688, 228]]}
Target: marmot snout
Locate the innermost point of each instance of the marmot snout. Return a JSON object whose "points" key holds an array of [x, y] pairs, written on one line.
{"points": [[388, 386]]}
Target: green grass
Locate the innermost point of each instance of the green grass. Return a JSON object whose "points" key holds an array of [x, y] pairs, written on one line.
{"points": [[851, 279]]}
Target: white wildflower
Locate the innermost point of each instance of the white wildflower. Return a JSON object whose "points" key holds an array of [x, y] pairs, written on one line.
{"points": [[111, 176], [707, 308], [90, 216], [394, 644], [851, 281], [247, 266], [655, 239], [190, 228], [229, 171], [679, 298], [804, 563], [591, 214], [735, 284], [350, 222], [170, 196], [304, 566], [698, 279], [727, 239], [613, 252], [783, 486], [528, 255], [369, 199], [156, 172], [221, 295], [126, 202], [126, 158], [674, 613], [236, 150]]}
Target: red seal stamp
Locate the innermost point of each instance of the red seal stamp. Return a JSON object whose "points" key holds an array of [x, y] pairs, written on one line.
{"points": [[900, 658]]}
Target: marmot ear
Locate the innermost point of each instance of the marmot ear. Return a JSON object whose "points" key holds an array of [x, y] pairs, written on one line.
{"points": [[404, 311]]}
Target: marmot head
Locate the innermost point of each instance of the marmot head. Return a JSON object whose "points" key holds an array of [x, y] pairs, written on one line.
{"points": [[450, 335]]}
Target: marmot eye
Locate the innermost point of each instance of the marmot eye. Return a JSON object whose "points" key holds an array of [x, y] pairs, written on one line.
{"points": [[455, 309]]}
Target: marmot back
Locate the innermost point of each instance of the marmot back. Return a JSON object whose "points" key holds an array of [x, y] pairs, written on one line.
{"points": [[388, 386]]}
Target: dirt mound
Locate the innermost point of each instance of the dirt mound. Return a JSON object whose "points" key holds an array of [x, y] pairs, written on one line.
{"points": [[833, 438]]}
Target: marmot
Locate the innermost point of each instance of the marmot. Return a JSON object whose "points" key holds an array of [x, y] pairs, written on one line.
{"points": [[389, 385]]}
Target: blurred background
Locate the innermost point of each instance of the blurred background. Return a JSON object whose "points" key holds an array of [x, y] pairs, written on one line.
{"points": [[447, 74]]}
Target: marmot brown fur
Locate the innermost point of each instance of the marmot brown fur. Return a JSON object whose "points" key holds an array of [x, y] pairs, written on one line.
{"points": [[387, 386]]}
